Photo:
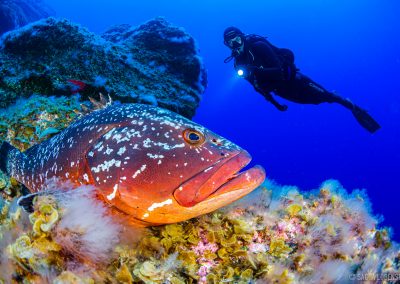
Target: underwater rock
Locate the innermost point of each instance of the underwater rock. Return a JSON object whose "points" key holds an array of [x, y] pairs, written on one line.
{"points": [[167, 48], [155, 63], [17, 13]]}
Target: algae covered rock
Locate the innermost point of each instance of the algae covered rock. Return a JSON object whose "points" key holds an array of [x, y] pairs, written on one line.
{"points": [[33, 120], [155, 63]]}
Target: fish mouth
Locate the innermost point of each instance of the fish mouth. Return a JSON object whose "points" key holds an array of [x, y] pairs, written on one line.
{"points": [[220, 184]]}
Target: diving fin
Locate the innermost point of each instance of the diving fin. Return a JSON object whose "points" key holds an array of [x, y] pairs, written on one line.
{"points": [[365, 120]]}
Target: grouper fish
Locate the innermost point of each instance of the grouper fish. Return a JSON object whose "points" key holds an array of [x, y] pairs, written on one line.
{"points": [[149, 164]]}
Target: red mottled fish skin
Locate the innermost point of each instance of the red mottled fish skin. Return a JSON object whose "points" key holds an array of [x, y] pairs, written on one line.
{"points": [[151, 164]]}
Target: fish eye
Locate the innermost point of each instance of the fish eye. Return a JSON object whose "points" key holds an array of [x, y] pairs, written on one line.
{"points": [[193, 137]]}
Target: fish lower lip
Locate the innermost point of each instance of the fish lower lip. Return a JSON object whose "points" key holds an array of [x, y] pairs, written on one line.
{"points": [[233, 176], [243, 182], [210, 181]]}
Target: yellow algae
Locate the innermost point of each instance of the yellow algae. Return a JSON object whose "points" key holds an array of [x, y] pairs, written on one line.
{"points": [[246, 274], [242, 227], [212, 278], [278, 247], [22, 248], [230, 272], [229, 242], [148, 271], [44, 219], [173, 230], [330, 229], [123, 275], [222, 253], [67, 277], [294, 209]]}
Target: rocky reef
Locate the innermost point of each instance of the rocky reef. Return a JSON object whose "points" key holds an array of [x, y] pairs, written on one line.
{"points": [[276, 235], [17, 13], [155, 63]]}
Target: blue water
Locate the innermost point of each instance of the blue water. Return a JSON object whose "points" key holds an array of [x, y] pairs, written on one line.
{"points": [[348, 46]]}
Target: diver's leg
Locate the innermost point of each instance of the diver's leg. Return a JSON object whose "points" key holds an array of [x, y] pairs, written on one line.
{"points": [[313, 93], [322, 95], [334, 98]]}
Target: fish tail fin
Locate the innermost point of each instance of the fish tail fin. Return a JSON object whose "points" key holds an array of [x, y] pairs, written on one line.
{"points": [[9, 156]]}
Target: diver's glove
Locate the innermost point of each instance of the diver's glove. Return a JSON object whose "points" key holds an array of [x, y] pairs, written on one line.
{"points": [[267, 95], [278, 106], [281, 107]]}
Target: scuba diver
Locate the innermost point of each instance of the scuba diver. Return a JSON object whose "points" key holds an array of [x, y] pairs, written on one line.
{"points": [[271, 70]]}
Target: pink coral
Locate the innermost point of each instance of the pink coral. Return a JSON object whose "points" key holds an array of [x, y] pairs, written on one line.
{"points": [[204, 246]]}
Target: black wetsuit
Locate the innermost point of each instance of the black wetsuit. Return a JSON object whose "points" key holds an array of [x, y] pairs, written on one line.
{"points": [[270, 73]]}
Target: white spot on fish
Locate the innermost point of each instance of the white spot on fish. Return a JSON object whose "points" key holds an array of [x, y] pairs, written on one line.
{"points": [[106, 165], [121, 150], [111, 196], [155, 156], [161, 204], [208, 169], [109, 150], [143, 167]]}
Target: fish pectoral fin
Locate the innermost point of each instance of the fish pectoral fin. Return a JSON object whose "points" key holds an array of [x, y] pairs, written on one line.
{"points": [[26, 201]]}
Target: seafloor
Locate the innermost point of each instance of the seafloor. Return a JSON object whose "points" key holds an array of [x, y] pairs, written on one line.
{"points": [[275, 235]]}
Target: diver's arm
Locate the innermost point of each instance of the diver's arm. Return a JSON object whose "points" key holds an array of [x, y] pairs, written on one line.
{"points": [[268, 96], [274, 70], [274, 74], [272, 100]]}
